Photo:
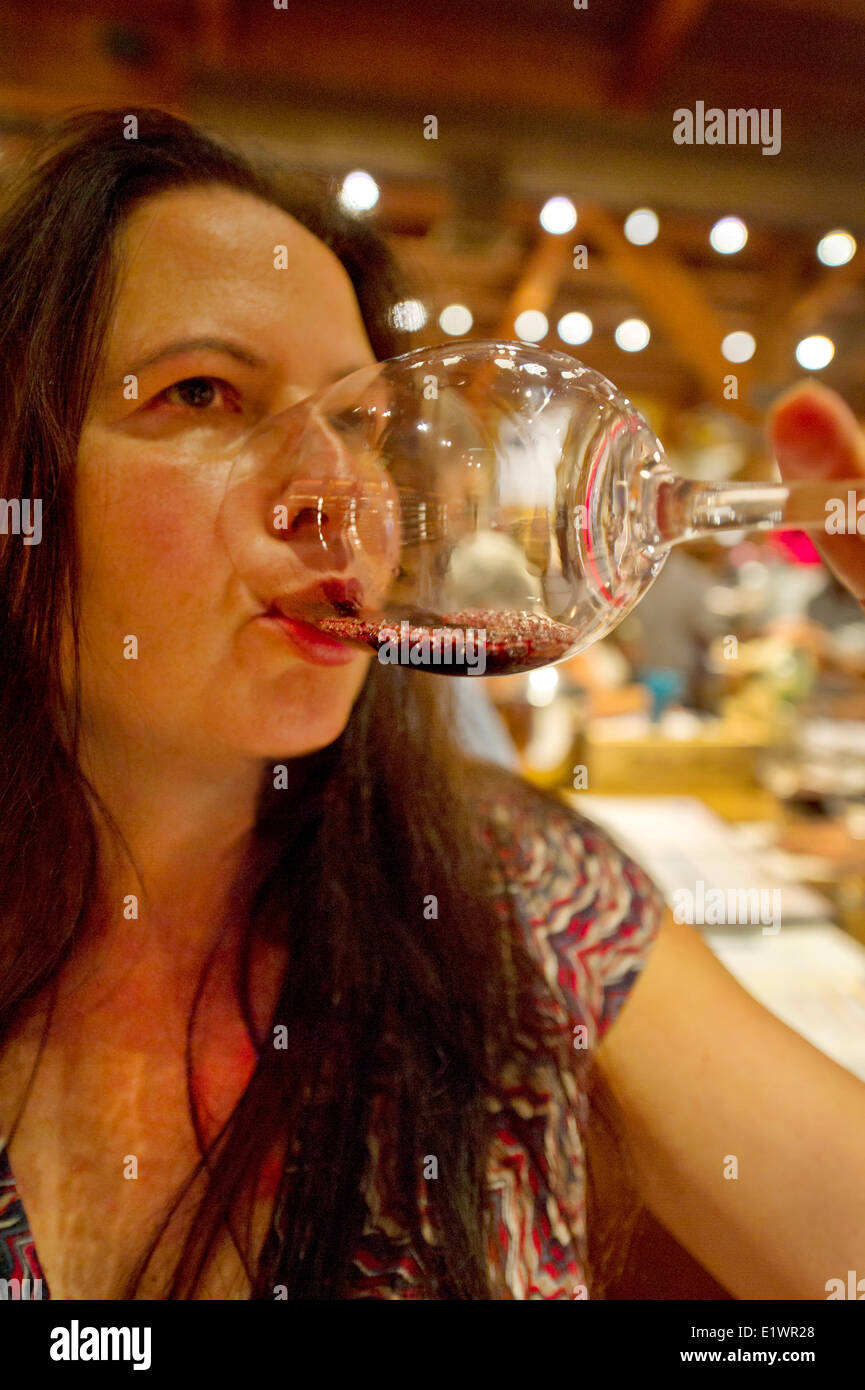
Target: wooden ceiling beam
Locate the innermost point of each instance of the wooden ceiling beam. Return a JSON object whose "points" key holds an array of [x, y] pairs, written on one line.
{"points": [[214, 31], [659, 37], [772, 360], [424, 203], [430, 59], [18, 99], [539, 280], [829, 290], [80, 60], [674, 299]]}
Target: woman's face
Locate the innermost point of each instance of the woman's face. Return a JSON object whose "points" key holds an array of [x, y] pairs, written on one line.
{"points": [[212, 674]]}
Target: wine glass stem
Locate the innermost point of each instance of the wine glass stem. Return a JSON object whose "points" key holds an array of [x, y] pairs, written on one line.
{"points": [[687, 509]]}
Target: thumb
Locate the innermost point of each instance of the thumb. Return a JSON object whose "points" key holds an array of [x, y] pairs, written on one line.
{"points": [[814, 434]]}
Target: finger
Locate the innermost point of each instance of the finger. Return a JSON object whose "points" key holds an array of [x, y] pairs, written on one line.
{"points": [[814, 434]]}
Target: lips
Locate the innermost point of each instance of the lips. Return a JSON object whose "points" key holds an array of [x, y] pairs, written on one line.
{"points": [[345, 595], [297, 614], [311, 644], [322, 600]]}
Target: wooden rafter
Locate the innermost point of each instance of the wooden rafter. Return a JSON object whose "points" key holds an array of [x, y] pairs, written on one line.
{"points": [[214, 31], [772, 359], [658, 39], [539, 280], [830, 289], [674, 299]]}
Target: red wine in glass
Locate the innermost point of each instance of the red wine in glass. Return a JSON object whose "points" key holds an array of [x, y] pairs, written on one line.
{"points": [[494, 643]]}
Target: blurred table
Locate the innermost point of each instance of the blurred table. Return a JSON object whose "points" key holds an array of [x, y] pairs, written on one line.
{"points": [[682, 842], [685, 756], [809, 973]]}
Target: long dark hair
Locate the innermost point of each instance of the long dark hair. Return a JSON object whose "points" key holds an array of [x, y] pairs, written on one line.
{"points": [[375, 995]]}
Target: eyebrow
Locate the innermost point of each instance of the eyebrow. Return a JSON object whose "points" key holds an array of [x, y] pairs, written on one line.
{"points": [[241, 354], [223, 345]]}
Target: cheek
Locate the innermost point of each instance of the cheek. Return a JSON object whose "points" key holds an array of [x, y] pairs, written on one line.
{"points": [[154, 566], [148, 533]]}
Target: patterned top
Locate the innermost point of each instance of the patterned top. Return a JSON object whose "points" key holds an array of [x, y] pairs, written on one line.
{"points": [[589, 914]]}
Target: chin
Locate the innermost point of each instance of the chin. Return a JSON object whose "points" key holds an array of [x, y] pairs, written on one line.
{"points": [[279, 710], [290, 728], [307, 741]]}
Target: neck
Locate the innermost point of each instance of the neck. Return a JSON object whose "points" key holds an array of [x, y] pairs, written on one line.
{"points": [[185, 828]]}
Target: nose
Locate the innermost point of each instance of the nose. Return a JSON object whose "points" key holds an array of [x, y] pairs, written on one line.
{"points": [[334, 499], [294, 395], [310, 495], [318, 515], [315, 508]]}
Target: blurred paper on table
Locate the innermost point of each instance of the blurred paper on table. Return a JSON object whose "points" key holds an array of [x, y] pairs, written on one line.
{"points": [[682, 844]]}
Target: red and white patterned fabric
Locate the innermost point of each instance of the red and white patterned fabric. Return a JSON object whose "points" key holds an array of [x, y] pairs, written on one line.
{"points": [[589, 915]]}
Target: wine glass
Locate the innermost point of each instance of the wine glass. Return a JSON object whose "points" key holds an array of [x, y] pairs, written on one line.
{"points": [[474, 508]]}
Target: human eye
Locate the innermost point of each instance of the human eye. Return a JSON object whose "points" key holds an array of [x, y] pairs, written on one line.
{"points": [[200, 393]]}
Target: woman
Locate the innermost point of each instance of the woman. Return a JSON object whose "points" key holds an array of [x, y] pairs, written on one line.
{"points": [[295, 1001]]}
